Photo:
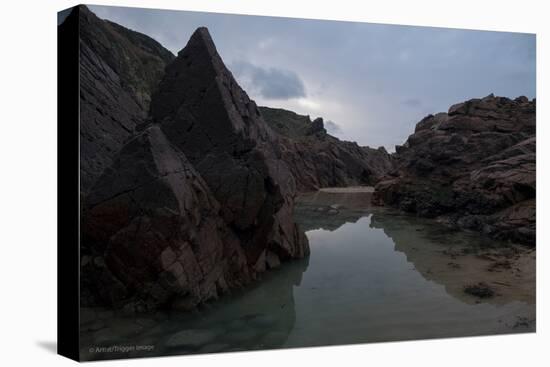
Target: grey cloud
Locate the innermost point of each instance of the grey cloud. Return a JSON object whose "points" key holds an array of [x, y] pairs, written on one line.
{"points": [[365, 76], [332, 127], [412, 102], [270, 83]]}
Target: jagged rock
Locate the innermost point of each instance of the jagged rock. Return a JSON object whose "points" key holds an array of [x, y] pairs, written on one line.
{"points": [[317, 127], [195, 201], [205, 113], [318, 159], [155, 223], [473, 167], [119, 69]]}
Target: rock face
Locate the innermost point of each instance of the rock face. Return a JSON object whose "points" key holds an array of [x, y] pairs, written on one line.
{"points": [[318, 159], [156, 225], [205, 113], [119, 69], [473, 167], [194, 198]]}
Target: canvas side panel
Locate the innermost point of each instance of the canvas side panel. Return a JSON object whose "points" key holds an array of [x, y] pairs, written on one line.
{"points": [[68, 190]]}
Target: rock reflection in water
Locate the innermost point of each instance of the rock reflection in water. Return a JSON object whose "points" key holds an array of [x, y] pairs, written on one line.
{"points": [[258, 317], [449, 257], [456, 259], [373, 275], [378, 275], [329, 211]]}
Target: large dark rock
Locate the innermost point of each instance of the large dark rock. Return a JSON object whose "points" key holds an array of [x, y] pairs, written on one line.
{"points": [[153, 231], [473, 167], [205, 113], [119, 69], [193, 199], [318, 159]]}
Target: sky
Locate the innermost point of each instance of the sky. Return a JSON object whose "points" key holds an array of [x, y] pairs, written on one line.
{"points": [[370, 82]]}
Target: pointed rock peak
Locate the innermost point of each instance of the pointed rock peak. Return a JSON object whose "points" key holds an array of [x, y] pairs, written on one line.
{"points": [[188, 80], [201, 48], [201, 39]]}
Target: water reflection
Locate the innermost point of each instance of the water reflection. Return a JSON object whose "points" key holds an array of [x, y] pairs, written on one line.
{"points": [[449, 257], [329, 211], [456, 259], [259, 317], [378, 275], [373, 275]]}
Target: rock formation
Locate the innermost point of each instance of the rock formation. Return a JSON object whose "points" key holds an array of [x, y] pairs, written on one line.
{"points": [[318, 159], [119, 69], [473, 167], [156, 224], [205, 113], [186, 195]]}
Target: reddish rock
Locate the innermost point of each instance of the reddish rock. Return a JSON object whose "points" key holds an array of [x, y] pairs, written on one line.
{"points": [[195, 201], [318, 159], [474, 168], [205, 113], [155, 223]]}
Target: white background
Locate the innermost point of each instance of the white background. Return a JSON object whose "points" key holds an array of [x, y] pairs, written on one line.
{"points": [[28, 182]]}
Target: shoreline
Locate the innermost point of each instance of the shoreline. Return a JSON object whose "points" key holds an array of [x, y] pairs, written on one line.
{"points": [[347, 190]]}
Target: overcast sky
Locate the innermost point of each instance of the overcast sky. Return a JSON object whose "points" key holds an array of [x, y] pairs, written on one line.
{"points": [[372, 82]]}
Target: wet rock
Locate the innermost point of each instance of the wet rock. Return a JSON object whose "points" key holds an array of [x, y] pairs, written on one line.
{"points": [[473, 168], [498, 266], [272, 260], [481, 290], [454, 265], [523, 322]]}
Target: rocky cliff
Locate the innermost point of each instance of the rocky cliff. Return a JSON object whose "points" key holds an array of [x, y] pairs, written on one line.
{"points": [[190, 197], [318, 159], [119, 69], [473, 167]]}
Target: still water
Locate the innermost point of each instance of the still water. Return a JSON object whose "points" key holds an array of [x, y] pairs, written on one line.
{"points": [[373, 275]]}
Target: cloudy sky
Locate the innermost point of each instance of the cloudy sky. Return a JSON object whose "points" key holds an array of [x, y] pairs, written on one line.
{"points": [[372, 82]]}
